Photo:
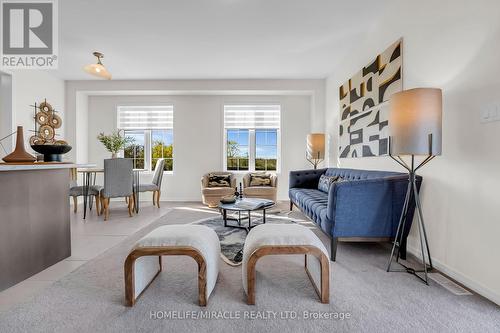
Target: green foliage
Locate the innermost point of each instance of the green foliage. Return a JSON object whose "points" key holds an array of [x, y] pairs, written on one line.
{"points": [[160, 150], [262, 164], [115, 141]]}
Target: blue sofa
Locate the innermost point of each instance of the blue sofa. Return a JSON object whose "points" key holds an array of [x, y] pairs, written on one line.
{"points": [[364, 206]]}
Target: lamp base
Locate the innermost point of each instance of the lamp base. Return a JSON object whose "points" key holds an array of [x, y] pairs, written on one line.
{"points": [[411, 194]]}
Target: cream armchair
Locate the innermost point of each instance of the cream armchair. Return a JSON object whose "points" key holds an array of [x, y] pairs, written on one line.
{"points": [[263, 192], [211, 195]]}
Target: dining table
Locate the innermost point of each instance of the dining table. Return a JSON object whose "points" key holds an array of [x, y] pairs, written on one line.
{"points": [[89, 175]]}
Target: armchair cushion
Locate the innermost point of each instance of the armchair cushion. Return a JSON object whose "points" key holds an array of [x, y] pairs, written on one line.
{"points": [[219, 180], [259, 190], [260, 179]]}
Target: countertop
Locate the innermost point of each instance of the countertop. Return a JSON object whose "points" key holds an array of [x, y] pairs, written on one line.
{"points": [[38, 166]]}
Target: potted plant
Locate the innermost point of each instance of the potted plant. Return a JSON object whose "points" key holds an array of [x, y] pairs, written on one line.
{"points": [[114, 142]]}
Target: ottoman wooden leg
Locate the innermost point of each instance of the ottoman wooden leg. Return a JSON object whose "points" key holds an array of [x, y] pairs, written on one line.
{"points": [[149, 253], [324, 293], [323, 290]]}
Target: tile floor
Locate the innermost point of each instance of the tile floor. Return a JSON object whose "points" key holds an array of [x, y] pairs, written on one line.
{"points": [[89, 239]]}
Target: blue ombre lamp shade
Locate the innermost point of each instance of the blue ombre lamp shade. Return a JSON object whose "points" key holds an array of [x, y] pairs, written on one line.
{"points": [[413, 115]]}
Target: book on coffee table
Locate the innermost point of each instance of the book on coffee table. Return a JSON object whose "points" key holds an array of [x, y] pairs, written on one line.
{"points": [[253, 203]]}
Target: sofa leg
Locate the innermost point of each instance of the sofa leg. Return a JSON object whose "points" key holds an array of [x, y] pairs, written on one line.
{"points": [[291, 205], [333, 248], [402, 250]]}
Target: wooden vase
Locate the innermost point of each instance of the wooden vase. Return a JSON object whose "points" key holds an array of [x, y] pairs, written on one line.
{"points": [[19, 155]]}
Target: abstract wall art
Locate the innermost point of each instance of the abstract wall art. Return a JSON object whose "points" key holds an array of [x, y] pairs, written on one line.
{"points": [[364, 105]]}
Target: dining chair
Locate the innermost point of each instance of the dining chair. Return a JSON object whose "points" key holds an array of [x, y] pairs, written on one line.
{"points": [[118, 182], [155, 185], [76, 191]]}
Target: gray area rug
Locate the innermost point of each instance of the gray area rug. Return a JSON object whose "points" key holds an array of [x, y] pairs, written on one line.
{"points": [[231, 239], [364, 297]]}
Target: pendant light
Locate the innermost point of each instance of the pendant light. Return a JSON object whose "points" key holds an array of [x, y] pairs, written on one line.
{"points": [[98, 69]]}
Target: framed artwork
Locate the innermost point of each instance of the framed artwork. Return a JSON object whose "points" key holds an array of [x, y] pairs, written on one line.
{"points": [[364, 105]]}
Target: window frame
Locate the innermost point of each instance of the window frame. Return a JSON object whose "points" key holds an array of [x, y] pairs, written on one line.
{"points": [[252, 144], [148, 137], [148, 148]]}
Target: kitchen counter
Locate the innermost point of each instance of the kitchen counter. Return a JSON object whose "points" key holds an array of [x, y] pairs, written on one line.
{"points": [[34, 218]]}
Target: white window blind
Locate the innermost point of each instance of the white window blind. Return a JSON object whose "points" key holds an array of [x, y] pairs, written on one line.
{"points": [[146, 117], [252, 116]]}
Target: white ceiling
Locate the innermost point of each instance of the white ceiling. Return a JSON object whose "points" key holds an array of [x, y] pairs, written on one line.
{"points": [[211, 39]]}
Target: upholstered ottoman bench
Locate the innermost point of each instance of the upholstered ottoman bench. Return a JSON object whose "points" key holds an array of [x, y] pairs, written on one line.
{"points": [[143, 263], [272, 239]]}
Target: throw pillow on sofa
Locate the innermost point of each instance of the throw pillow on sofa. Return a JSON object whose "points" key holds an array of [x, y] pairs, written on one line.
{"points": [[219, 180], [260, 179], [326, 181]]}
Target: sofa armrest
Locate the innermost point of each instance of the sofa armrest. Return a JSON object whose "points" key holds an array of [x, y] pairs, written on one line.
{"points": [[365, 208], [305, 178]]}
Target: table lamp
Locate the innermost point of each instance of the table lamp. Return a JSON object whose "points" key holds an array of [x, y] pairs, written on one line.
{"points": [[415, 128], [315, 152]]}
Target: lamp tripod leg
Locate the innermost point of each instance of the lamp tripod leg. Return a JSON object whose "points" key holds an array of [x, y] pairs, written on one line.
{"points": [[400, 230], [404, 213], [421, 216], [421, 236]]}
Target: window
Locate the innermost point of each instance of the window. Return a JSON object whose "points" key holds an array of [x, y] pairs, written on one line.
{"points": [[151, 127], [252, 137], [237, 149]]}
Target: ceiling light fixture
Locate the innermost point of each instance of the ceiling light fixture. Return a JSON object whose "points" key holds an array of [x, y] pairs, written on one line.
{"points": [[98, 69]]}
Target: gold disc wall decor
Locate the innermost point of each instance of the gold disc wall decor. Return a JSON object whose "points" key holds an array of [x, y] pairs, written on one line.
{"points": [[41, 118], [36, 140], [46, 107], [55, 121], [46, 132]]}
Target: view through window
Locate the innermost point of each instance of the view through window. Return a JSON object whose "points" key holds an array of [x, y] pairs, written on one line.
{"points": [[252, 135], [151, 127]]}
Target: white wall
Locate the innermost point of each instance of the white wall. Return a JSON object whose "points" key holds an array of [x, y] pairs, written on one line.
{"points": [[198, 136], [76, 89], [28, 87], [5, 112], [453, 46]]}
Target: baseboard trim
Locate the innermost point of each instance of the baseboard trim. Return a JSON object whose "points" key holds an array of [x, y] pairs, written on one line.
{"points": [[460, 278]]}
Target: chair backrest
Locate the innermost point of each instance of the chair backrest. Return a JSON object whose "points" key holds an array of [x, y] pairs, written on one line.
{"points": [[118, 177], [158, 174]]}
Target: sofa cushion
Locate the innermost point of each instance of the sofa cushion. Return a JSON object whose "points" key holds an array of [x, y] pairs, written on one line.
{"points": [[314, 203], [219, 180], [325, 182]]}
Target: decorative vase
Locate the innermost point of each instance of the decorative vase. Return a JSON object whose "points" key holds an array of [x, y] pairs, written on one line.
{"points": [[114, 155], [19, 155]]}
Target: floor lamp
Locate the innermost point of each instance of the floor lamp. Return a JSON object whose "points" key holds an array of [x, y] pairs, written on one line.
{"points": [[415, 130], [315, 152]]}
